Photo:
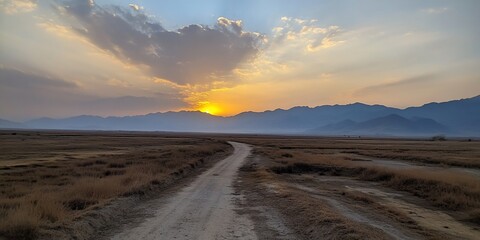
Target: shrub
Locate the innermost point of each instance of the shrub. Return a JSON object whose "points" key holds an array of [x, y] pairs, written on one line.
{"points": [[439, 138]]}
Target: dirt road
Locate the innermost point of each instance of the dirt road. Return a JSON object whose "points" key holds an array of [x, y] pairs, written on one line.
{"points": [[203, 210]]}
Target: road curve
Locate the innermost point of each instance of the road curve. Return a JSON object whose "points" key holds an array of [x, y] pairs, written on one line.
{"points": [[203, 210]]}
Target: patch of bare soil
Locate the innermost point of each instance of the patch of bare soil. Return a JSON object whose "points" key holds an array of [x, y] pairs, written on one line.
{"points": [[353, 213], [371, 201], [269, 222], [425, 217], [284, 211]]}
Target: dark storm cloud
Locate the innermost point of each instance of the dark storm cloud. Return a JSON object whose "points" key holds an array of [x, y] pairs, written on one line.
{"points": [[187, 55]]}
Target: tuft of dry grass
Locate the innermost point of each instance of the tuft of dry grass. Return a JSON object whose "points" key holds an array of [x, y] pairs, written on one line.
{"points": [[22, 217], [447, 191], [359, 197], [474, 216], [23, 223]]}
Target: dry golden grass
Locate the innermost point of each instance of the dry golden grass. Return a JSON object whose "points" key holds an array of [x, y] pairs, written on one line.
{"points": [[448, 191], [48, 179], [21, 223], [450, 153]]}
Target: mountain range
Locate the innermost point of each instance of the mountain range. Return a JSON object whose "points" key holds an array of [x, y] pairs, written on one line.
{"points": [[456, 118], [393, 125]]}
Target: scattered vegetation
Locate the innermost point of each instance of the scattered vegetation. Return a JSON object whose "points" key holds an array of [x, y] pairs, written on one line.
{"points": [[447, 191], [450, 192], [454, 191], [439, 138]]}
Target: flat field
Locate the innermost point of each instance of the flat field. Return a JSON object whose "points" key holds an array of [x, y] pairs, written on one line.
{"points": [[341, 188], [48, 180], [65, 185]]}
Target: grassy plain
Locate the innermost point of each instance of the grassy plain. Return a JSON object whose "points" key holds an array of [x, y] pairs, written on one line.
{"points": [[331, 188], [49, 179], [340, 187]]}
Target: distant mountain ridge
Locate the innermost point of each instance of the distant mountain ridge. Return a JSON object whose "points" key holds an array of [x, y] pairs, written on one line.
{"points": [[9, 124], [458, 117], [392, 124]]}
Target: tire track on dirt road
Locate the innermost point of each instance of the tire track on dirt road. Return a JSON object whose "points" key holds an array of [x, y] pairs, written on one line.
{"points": [[203, 210]]}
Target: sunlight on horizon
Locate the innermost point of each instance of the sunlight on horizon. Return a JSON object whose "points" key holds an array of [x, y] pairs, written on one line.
{"points": [[211, 109]]}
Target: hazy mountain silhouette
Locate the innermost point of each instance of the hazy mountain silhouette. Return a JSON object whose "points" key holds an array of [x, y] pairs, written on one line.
{"points": [[462, 115], [169, 121], [389, 125], [459, 117], [9, 124], [299, 119]]}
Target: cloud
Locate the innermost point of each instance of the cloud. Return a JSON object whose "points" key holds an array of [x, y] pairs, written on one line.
{"points": [[190, 55], [17, 6], [408, 82], [438, 10], [19, 79], [24, 95], [296, 49], [135, 7], [307, 34], [135, 104]]}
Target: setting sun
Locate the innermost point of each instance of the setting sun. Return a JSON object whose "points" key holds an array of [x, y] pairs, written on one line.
{"points": [[210, 109]]}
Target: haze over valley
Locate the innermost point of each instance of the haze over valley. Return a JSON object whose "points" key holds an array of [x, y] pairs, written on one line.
{"points": [[454, 118]]}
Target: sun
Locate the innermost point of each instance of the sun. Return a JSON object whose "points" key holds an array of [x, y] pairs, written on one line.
{"points": [[210, 109]]}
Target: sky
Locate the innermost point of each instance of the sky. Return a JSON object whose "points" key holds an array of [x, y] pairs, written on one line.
{"points": [[61, 58]]}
